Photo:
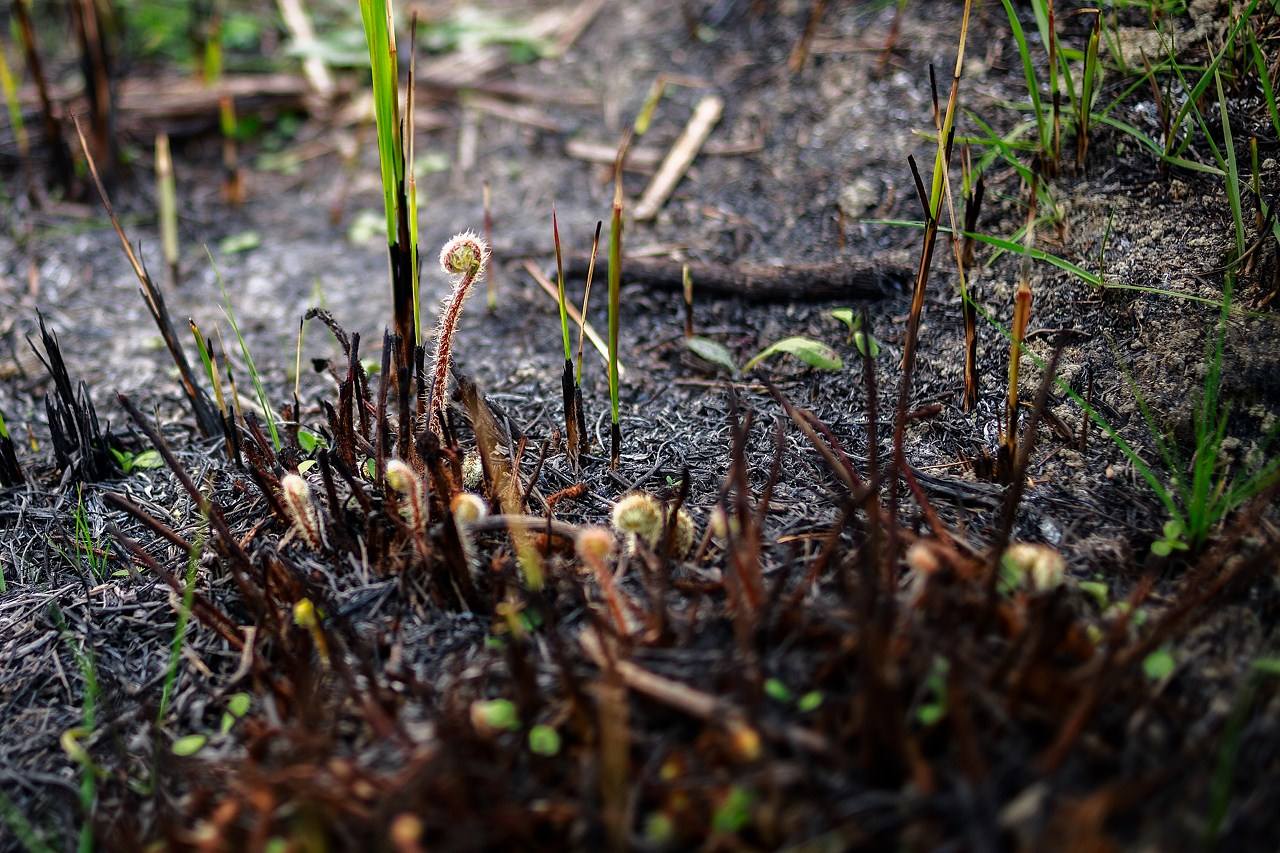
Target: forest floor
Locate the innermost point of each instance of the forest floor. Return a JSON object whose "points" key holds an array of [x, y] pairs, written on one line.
{"points": [[827, 672]]}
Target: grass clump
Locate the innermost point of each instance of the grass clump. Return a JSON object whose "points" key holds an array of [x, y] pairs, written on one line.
{"points": [[395, 156]]}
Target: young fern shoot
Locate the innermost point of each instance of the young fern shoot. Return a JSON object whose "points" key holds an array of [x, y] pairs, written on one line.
{"points": [[464, 258]]}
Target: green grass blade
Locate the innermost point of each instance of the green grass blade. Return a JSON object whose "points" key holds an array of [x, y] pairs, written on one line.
{"points": [[180, 627], [1233, 169], [376, 16], [1194, 93], [1029, 72], [1061, 263], [1264, 77], [258, 390]]}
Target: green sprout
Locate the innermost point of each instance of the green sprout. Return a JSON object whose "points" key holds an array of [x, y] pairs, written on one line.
{"points": [[395, 157], [615, 308]]}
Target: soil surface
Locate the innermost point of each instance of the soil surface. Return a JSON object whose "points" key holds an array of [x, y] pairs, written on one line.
{"points": [[799, 169]]}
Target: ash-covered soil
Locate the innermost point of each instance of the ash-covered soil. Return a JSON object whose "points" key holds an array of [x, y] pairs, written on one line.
{"points": [[798, 167]]}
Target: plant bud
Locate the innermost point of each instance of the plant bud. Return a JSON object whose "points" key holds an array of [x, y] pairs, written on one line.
{"points": [[468, 508], [638, 515], [594, 545], [401, 477], [465, 254], [1040, 565], [297, 503], [472, 471], [683, 535]]}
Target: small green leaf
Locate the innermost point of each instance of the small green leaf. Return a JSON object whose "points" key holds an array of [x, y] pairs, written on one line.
{"points": [[734, 812], [862, 339], [309, 441], [1097, 589], [658, 829], [242, 242], [496, 714], [1161, 548], [931, 714], [1159, 664], [712, 351], [148, 459], [544, 740], [123, 458], [1173, 529], [811, 352], [775, 689], [189, 745], [238, 704], [370, 468], [1267, 666], [810, 701], [846, 316], [366, 227], [306, 465]]}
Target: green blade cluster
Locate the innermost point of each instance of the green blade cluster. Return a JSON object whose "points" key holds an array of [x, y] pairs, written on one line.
{"points": [[395, 147]]}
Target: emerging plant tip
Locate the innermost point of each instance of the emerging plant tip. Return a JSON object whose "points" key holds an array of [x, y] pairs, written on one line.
{"points": [[405, 482], [1042, 566], [594, 545], [304, 614], [297, 503], [401, 477], [472, 471], [641, 516], [464, 257], [468, 508], [465, 254], [638, 514]]}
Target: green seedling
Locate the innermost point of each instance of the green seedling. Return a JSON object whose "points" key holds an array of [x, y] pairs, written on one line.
{"points": [[857, 336], [712, 352], [237, 706], [395, 157], [615, 309], [1090, 82], [1043, 127], [254, 377], [188, 745], [586, 301], [495, 715], [180, 627], [91, 553], [572, 396], [734, 812], [544, 740], [71, 739], [1173, 539], [130, 461], [1159, 665], [813, 353], [934, 708], [1042, 256], [239, 243], [776, 690]]}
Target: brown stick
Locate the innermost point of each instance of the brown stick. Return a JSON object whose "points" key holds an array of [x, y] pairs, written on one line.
{"points": [[852, 279]]}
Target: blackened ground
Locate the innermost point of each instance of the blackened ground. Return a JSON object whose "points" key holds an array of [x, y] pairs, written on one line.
{"points": [[833, 142]]}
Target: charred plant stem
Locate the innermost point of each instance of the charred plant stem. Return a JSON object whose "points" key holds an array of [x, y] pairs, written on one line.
{"points": [[59, 152]]}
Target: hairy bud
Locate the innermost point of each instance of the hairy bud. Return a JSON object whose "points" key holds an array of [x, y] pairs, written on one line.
{"points": [[297, 503]]}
